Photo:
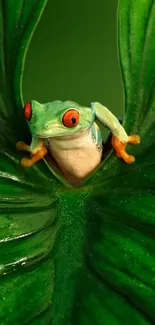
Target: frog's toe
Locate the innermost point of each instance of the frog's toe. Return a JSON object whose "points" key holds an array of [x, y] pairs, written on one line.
{"points": [[129, 159], [26, 162], [134, 139], [20, 145], [120, 149]]}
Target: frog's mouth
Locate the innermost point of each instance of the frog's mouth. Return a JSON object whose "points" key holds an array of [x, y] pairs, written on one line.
{"points": [[47, 136]]}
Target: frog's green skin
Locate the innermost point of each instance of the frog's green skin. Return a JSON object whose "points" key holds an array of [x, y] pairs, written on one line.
{"points": [[77, 150], [46, 122]]}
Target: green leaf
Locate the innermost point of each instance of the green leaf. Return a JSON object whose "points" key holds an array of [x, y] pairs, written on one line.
{"points": [[17, 21], [28, 217], [121, 233], [78, 256]]}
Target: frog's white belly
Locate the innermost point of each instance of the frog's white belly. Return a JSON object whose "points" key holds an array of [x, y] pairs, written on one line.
{"points": [[76, 155]]}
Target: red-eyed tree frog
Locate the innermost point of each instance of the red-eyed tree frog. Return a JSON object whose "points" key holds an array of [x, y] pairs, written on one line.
{"points": [[70, 133]]}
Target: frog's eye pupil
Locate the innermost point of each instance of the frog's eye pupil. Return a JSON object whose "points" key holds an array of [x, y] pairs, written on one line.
{"points": [[71, 118], [27, 111]]}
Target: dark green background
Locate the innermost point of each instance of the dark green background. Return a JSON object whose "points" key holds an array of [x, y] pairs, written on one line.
{"points": [[73, 55]]}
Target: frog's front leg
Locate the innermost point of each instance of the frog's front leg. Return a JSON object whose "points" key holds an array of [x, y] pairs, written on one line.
{"points": [[119, 135], [27, 162], [120, 147], [37, 151]]}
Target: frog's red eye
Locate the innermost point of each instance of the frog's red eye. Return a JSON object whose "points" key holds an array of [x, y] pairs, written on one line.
{"points": [[71, 118], [28, 111]]}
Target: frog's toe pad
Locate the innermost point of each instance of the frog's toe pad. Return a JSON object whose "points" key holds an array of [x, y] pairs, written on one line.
{"points": [[25, 162], [134, 139], [20, 145], [130, 159]]}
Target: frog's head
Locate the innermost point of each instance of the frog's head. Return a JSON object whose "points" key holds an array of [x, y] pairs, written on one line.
{"points": [[57, 118]]}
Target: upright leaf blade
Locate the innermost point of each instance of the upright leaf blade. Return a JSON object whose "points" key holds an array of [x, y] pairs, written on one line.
{"points": [[120, 251], [27, 209], [18, 20], [137, 48]]}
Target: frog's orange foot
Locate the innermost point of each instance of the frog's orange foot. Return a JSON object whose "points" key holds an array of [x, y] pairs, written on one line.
{"points": [[120, 149], [22, 146], [26, 162], [134, 139]]}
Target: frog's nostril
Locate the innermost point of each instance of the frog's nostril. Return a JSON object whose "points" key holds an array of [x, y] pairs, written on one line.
{"points": [[46, 126]]}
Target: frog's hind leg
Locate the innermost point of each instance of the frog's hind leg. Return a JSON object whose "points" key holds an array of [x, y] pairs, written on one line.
{"points": [[22, 146]]}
